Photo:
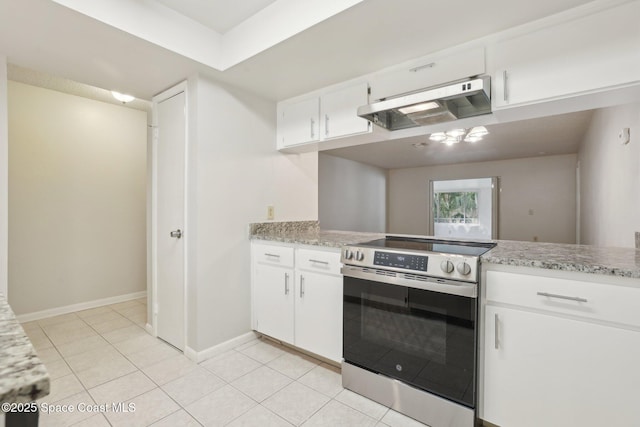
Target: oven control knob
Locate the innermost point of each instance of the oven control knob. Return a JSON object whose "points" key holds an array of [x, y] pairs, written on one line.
{"points": [[348, 254], [446, 266], [359, 256], [463, 268]]}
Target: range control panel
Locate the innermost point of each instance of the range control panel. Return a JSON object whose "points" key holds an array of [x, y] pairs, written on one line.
{"points": [[439, 265], [403, 261]]}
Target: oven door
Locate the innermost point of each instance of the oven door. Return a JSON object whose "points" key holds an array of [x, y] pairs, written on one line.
{"points": [[423, 338]]}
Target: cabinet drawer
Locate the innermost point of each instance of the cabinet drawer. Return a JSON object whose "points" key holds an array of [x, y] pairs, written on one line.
{"points": [[427, 72], [273, 255], [319, 261], [598, 301]]}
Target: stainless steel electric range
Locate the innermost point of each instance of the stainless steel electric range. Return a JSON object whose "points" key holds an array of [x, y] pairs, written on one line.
{"points": [[410, 316]]}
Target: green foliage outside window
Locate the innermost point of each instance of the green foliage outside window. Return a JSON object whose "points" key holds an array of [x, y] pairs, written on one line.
{"points": [[460, 207]]}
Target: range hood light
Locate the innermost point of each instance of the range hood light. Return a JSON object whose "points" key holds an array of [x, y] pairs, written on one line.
{"points": [[438, 136], [419, 107]]}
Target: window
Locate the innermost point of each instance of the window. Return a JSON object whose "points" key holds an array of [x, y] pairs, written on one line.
{"points": [[464, 208]]}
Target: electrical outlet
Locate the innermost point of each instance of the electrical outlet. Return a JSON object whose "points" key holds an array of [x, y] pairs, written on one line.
{"points": [[270, 214]]}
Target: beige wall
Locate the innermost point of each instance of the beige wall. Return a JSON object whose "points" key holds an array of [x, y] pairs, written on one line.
{"points": [[4, 174], [234, 173], [610, 178], [352, 196], [546, 185], [77, 199]]}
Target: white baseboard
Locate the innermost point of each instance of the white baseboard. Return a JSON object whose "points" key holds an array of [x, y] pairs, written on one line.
{"points": [[199, 356], [149, 328], [77, 307]]}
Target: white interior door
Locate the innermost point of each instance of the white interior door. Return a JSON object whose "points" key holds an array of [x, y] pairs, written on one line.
{"points": [[170, 175]]}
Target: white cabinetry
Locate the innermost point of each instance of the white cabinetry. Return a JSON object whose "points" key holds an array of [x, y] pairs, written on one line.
{"points": [[587, 54], [299, 303], [273, 291], [426, 72], [340, 111], [555, 353], [321, 117], [299, 123]]}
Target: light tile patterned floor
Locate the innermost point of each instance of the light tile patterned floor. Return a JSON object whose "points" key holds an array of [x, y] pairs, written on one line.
{"points": [[104, 355]]}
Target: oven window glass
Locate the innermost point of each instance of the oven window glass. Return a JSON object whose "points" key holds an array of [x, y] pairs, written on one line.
{"points": [[423, 338]]}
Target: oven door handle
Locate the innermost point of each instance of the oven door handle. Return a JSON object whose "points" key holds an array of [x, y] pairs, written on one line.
{"points": [[444, 286]]}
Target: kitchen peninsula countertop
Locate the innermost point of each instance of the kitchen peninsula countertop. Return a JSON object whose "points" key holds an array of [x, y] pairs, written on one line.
{"points": [[23, 377], [621, 262]]}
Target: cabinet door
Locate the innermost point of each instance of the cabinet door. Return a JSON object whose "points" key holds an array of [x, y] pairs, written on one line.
{"points": [[299, 123], [340, 112], [318, 314], [590, 53], [542, 370], [273, 289]]}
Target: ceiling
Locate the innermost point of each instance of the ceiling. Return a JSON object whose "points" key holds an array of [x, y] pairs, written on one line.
{"points": [[219, 15], [553, 135], [45, 36]]}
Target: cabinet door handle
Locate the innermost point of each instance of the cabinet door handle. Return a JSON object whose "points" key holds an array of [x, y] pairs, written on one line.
{"points": [[326, 125], [545, 294], [496, 342], [272, 255], [312, 126], [422, 67], [505, 88], [286, 283], [317, 261], [301, 286]]}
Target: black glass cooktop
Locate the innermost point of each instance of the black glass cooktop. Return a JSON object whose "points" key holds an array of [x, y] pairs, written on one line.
{"points": [[432, 245]]}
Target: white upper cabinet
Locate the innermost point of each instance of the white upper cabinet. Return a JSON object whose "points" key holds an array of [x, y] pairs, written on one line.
{"points": [[586, 54], [327, 116], [427, 72], [339, 111], [299, 123]]}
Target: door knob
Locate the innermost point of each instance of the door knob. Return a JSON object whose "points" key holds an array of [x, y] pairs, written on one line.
{"points": [[177, 234]]}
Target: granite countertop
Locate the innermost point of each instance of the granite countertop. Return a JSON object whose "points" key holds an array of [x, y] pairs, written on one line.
{"points": [[308, 233], [23, 377], [622, 262]]}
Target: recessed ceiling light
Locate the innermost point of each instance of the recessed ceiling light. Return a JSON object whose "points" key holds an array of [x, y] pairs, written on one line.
{"points": [[122, 97]]}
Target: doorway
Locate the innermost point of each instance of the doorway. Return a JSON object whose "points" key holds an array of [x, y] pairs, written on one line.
{"points": [[168, 216]]}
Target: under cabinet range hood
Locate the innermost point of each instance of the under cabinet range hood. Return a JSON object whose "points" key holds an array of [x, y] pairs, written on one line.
{"points": [[433, 105]]}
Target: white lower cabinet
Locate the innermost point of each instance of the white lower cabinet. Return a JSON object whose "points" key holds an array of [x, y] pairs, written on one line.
{"points": [[299, 301], [273, 291], [318, 314], [551, 369]]}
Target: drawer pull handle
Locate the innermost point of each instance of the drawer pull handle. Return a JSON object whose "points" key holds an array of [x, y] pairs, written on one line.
{"points": [[545, 294], [496, 342], [318, 261], [286, 283], [272, 255]]}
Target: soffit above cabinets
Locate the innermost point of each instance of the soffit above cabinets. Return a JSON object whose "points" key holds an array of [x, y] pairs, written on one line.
{"points": [[277, 49]]}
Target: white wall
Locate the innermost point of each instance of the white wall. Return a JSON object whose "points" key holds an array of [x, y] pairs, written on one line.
{"points": [[352, 195], [4, 175], [77, 199], [546, 185], [234, 174], [610, 178]]}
